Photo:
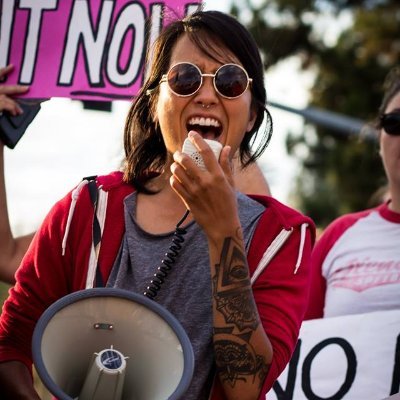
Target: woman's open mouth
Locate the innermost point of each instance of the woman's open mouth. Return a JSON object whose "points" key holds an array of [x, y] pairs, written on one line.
{"points": [[208, 128]]}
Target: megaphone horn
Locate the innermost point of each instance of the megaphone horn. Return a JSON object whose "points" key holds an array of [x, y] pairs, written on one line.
{"points": [[107, 343]]}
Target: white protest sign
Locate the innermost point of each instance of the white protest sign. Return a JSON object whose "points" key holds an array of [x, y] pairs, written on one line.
{"points": [[355, 357]]}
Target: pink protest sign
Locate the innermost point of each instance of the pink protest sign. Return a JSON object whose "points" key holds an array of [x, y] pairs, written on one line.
{"points": [[82, 49]]}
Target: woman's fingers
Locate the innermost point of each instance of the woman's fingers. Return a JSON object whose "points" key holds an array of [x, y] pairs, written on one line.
{"points": [[6, 103], [10, 105]]}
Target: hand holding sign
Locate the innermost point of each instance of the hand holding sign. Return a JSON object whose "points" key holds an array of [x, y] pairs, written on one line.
{"points": [[6, 102], [17, 115]]}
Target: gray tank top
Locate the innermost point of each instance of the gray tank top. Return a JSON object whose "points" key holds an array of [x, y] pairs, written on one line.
{"points": [[186, 292]]}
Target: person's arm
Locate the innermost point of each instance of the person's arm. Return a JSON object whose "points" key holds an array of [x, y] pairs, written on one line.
{"points": [[20, 387], [42, 278], [250, 180], [238, 332], [11, 249]]}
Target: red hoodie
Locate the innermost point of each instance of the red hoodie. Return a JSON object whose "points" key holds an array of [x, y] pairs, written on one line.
{"points": [[56, 264]]}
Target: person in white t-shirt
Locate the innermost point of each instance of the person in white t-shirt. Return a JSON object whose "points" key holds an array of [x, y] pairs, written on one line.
{"points": [[356, 262]]}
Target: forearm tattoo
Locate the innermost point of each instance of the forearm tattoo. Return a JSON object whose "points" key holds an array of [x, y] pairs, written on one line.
{"points": [[235, 357], [237, 361]]}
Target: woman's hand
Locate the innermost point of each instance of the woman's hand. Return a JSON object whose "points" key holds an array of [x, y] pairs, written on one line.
{"points": [[7, 103], [210, 194]]}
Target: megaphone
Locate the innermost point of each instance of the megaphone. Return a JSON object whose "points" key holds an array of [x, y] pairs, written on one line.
{"points": [[107, 343]]}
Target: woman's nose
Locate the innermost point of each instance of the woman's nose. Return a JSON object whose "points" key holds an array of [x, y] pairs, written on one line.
{"points": [[207, 93]]}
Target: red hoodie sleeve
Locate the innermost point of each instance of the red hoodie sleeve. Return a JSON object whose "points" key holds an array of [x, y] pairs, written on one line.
{"points": [[281, 296], [46, 274], [42, 278]]}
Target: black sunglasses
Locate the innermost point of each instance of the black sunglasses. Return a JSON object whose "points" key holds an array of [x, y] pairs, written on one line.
{"points": [[185, 79], [391, 123]]}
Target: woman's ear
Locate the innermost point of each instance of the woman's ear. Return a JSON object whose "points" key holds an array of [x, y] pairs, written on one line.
{"points": [[252, 119]]}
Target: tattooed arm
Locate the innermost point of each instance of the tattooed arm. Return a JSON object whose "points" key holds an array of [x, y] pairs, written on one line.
{"points": [[242, 349]]}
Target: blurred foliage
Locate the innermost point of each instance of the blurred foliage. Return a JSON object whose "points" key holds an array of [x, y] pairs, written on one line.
{"points": [[339, 173], [3, 292]]}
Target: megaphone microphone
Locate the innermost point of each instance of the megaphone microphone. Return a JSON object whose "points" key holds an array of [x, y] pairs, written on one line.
{"points": [[111, 344]]}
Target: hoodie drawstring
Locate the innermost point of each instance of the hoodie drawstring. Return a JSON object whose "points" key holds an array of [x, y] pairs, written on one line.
{"points": [[74, 195], [100, 216], [273, 248], [303, 228]]}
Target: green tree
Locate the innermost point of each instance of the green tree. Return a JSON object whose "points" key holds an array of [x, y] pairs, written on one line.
{"points": [[340, 172]]}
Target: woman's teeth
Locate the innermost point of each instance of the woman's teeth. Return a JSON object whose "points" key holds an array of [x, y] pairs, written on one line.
{"points": [[204, 122], [209, 128]]}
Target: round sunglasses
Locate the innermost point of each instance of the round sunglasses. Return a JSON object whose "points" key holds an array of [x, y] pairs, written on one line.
{"points": [[185, 79], [391, 123]]}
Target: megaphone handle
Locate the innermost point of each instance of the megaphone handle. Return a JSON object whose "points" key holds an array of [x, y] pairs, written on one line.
{"points": [[169, 260]]}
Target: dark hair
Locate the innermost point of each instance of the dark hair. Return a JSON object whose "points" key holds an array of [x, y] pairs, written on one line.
{"points": [[391, 87], [144, 146]]}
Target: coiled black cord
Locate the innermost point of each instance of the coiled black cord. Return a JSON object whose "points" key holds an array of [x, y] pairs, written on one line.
{"points": [[169, 260]]}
